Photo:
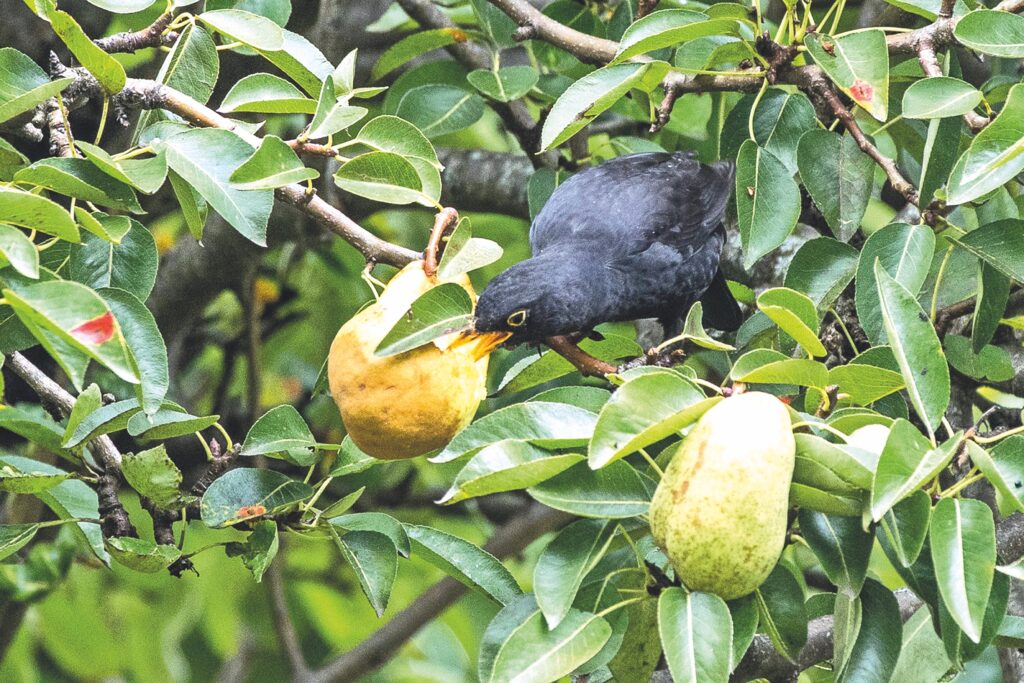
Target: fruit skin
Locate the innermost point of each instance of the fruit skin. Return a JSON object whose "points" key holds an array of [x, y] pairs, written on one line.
{"points": [[720, 510], [411, 403]]}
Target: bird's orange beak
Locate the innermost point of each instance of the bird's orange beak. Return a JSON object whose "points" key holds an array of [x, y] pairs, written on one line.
{"points": [[482, 343]]}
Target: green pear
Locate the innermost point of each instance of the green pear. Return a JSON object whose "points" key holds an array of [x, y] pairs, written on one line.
{"points": [[719, 512]]}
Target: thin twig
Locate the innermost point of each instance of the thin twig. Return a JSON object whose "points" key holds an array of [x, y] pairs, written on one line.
{"points": [[283, 623]]}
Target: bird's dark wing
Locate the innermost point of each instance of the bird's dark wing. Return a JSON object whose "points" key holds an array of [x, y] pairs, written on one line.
{"points": [[630, 202]]}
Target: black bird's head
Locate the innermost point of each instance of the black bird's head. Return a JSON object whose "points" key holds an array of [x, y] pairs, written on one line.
{"points": [[539, 298]]}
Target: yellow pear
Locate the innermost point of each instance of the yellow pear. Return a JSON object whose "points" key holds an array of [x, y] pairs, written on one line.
{"points": [[411, 403], [720, 510]]}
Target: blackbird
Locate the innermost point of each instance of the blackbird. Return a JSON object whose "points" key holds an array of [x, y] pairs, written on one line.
{"points": [[639, 236]]}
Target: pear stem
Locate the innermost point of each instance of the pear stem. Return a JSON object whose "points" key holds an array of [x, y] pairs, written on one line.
{"points": [[445, 219]]}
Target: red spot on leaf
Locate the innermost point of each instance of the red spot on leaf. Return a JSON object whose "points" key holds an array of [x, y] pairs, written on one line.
{"points": [[95, 331], [788, 400], [249, 511], [459, 36], [862, 91]]}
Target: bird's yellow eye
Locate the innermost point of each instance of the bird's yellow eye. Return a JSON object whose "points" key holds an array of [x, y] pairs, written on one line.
{"points": [[517, 319]]}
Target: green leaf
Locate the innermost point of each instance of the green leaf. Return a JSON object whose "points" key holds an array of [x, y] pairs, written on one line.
{"points": [[246, 493], [266, 94], [996, 154], [544, 424], [129, 265], [259, 549], [839, 178], [940, 148], [841, 545], [565, 561], [109, 418], [413, 46], [643, 411], [142, 555], [77, 316], [154, 475], [858, 63], [30, 479], [71, 499], [959, 647], [874, 653], [192, 67], [23, 85], [166, 423], [821, 269], [439, 311], [864, 384], [670, 28], [780, 120], [696, 635], [333, 114], [250, 29], [780, 604], [795, 315], [464, 253], [534, 370], [378, 522], [277, 431], [194, 209], [993, 363], [495, 24], [917, 349], [107, 70], [464, 562], [767, 201], [517, 645], [1004, 469], [506, 466], [351, 460], [392, 134], [993, 295], [765, 366], [35, 427], [585, 99], [372, 557], [37, 213], [939, 97], [615, 492], [993, 32], [273, 165], [19, 251], [907, 462], [145, 175], [79, 178], [905, 252], [694, 332], [145, 344], [440, 109], [301, 61], [383, 177], [1000, 244], [922, 656], [963, 547], [827, 477], [14, 537], [905, 526], [205, 159], [504, 85]]}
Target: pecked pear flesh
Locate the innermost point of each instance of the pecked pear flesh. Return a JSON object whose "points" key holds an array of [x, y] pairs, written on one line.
{"points": [[408, 404], [719, 512]]}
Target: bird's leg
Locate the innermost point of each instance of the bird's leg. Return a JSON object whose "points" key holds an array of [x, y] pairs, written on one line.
{"points": [[568, 349]]}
